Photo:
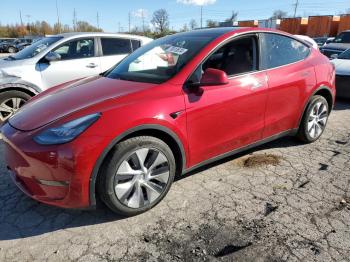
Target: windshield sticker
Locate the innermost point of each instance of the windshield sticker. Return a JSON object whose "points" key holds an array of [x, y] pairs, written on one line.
{"points": [[177, 50]]}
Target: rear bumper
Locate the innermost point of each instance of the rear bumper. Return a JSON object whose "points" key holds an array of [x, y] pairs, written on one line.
{"points": [[343, 86], [46, 174]]}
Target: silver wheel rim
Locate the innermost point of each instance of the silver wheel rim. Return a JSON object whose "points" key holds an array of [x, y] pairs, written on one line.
{"points": [[10, 106], [142, 177], [317, 120]]}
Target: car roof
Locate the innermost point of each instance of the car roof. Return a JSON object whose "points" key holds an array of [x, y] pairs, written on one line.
{"points": [[100, 34], [210, 32]]}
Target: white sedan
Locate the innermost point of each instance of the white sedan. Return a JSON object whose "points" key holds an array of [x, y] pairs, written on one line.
{"points": [[342, 71]]}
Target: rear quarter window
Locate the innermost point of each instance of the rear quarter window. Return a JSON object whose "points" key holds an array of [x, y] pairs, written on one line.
{"points": [[115, 46], [278, 50]]}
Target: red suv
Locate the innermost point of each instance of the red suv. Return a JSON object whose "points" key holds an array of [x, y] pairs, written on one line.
{"points": [[173, 105]]}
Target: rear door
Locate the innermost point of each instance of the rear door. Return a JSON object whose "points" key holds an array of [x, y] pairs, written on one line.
{"points": [[113, 51], [78, 60], [290, 75]]}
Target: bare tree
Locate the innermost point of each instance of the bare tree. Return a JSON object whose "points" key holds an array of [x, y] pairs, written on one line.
{"points": [[160, 21], [193, 24], [233, 17], [278, 14], [184, 28], [212, 23]]}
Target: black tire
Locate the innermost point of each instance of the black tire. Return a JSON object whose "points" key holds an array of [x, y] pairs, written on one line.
{"points": [[106, 181], [11, 50], [303, 133], [12, 94]]}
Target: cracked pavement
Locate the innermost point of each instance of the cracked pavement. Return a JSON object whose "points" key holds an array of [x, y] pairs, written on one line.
{"points": [[284, 201]]}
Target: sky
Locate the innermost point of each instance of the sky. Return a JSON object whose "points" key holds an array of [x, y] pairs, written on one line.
{"points": [[114, 14]]}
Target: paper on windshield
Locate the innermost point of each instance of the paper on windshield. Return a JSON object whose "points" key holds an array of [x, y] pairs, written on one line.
{"points": [[176, 50]]}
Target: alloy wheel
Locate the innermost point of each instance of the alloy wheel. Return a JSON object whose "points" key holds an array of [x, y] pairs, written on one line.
{"points": [[9, 107], [317, 119], [142, 177]]}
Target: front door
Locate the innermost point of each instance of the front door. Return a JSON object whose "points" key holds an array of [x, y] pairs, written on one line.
{"points": [[223, 118], [78, 60]]}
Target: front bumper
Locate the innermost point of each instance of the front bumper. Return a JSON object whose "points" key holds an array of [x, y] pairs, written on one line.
{"points": [[47, 174], [343, 86]]}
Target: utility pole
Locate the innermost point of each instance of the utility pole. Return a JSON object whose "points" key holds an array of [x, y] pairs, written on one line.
{"points": [[20, 17], [129, 22], [201, 16], [296, 7], [58, 18], [143, 20], [74, 20], [98, 21], [28, 17]]}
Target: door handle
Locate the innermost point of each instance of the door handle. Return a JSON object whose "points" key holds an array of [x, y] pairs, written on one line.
{"points": [[91, 65]]}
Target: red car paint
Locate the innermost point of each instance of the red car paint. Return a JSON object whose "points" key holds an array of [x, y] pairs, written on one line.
{"points": [[210, 123]]}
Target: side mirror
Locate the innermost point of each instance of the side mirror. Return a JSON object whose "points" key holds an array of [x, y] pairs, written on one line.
{"points": [[52, 56], [214, 77], [334, 56]]}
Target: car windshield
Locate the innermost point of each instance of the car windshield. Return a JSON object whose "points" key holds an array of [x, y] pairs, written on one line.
{"points": [[343, 38], [160, 60], [35, 48], [345, 55]]}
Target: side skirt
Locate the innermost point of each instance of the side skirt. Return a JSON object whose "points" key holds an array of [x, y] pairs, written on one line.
{"points": [[290, 132]]}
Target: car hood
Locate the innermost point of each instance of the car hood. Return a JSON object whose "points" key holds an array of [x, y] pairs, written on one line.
{"points": [[71, 98], [337, 46], [342, 66]]}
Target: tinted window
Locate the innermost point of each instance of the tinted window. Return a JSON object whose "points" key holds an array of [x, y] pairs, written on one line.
{"points": [[343, 38], [114, 46], [278, 50], [81, 48], [236, 57], [135, 44], [345, 55]]}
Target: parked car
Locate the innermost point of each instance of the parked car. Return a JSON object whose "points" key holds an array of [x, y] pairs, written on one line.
{"points": [[5, 39], [58, 59], [338, 45], [15, 46], [124, 135], [321, 41], [4, 45], [342, 70]]}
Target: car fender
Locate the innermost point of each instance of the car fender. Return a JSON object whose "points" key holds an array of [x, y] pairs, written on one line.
{"points": [[119, 138]]}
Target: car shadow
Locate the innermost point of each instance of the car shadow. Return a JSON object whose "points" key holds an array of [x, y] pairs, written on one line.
{"points": [[22, 217], [342, 104]]}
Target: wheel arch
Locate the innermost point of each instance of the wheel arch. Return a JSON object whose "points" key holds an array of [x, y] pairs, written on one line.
{"points": [[324, 91], [30, 90], [158, 131]]}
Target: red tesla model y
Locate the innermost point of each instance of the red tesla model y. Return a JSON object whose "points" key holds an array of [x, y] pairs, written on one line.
{"points": [[178, 103]]}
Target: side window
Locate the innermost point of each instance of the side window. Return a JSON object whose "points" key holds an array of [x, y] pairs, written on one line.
{"points": [[278, 50], [75, 49], [135, 44], [236, 57], [115, 46]]}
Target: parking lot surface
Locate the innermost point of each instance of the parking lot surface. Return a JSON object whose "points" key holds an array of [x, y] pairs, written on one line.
{"points": [[284, 201]]}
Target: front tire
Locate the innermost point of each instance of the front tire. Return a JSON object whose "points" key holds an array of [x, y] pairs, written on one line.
{"points": [[314, 120], [10, 103], [137, 175]]}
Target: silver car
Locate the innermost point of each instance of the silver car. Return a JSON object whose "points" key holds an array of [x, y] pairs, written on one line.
{"points": [[59, 59]]}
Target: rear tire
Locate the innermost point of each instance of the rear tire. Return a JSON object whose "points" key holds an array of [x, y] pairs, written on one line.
{"points": [[314, 120], [10, 102], [137, 175]]}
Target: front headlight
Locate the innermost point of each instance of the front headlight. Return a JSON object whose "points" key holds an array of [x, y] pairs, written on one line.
{"points": [[66, 132]]}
